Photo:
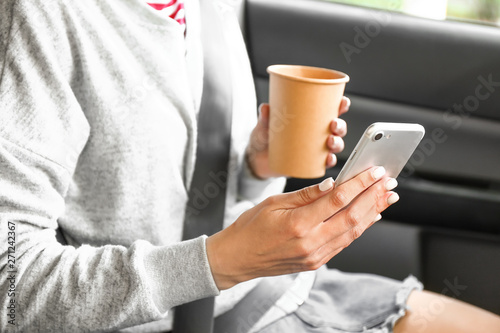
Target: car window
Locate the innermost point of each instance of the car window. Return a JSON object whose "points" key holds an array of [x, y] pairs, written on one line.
{"points": [[474, 11]]}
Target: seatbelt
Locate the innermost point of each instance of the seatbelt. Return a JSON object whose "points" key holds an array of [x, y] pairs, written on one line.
{"points": [[212, 159], [254, 305]]}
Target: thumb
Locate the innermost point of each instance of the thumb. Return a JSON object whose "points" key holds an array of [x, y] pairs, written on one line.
{"points": [[308, 194]]}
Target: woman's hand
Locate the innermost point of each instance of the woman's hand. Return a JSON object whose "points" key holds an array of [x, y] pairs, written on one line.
{"points": [[298, 231], [257, 151]]}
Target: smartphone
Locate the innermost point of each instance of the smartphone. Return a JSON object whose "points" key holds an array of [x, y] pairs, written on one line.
{"points": [[383, 144]]}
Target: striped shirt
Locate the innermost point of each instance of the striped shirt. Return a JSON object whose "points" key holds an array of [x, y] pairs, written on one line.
{"points": [[171, 8]]}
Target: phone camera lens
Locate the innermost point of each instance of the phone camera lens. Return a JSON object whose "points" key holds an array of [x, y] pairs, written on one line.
{"points": [[378, 136]]}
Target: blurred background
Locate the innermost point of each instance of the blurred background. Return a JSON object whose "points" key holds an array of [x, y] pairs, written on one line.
{"points": [[479, 11]]}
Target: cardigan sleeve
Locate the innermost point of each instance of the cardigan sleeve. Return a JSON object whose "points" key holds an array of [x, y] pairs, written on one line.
{"points": [[46, 286], [255, 189]]}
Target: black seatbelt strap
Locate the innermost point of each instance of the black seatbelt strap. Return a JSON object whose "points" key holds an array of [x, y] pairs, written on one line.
{"points": [[212, 158]]}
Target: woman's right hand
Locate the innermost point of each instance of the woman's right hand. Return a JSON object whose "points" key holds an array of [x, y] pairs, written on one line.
{"points": [[300, 230]]}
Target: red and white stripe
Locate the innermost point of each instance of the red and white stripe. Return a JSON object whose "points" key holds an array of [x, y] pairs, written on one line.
{"points": [[171, 8]]}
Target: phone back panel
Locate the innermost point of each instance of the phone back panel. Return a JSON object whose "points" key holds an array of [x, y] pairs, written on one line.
{"points": [[383, 144]]}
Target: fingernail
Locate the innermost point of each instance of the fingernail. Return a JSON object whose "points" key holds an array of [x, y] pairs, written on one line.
{"points": [[393, 199], [378, 218], [340, 126], [391, 184], [333, 159], [336, 142], [326, 184], [378, 172], [348, 102]]}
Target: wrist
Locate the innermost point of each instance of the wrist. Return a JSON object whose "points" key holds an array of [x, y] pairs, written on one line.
{"points": [[220, 264]]}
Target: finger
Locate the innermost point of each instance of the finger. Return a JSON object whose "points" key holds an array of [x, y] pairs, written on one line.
{"points": [[328, 239], [260, 135], [264, 114], [362, 212], [321, 209], [333, 247], [377, 218], [340, 231], [335, 144], [306, 195], [344, 105], [331, 160], [338, 127], [328, 248]]}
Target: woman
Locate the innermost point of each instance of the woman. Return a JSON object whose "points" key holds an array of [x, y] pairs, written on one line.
{"points": [[98, 130]]}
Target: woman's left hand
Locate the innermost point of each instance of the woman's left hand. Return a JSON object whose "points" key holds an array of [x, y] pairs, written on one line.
{"points": [[258, 153]]}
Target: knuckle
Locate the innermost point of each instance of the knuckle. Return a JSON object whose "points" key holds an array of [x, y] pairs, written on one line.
{"points": [[312, 263], [356, 232], [363, 181], [339, 198], [316, 265], [297, 230], [380, 203], [305, 195], [270, 201], [351, 219], [299, 233], [304, 251], [376, 196], [348, 242]]}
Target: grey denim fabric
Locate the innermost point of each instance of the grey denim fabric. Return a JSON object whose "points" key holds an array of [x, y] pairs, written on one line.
{"points": [[349, 302]]}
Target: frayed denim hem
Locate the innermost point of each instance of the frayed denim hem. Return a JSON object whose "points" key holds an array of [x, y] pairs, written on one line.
{"points": [[410, 284]]}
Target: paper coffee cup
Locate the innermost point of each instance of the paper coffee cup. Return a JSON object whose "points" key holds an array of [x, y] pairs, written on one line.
{"points": [[303, 102]]}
